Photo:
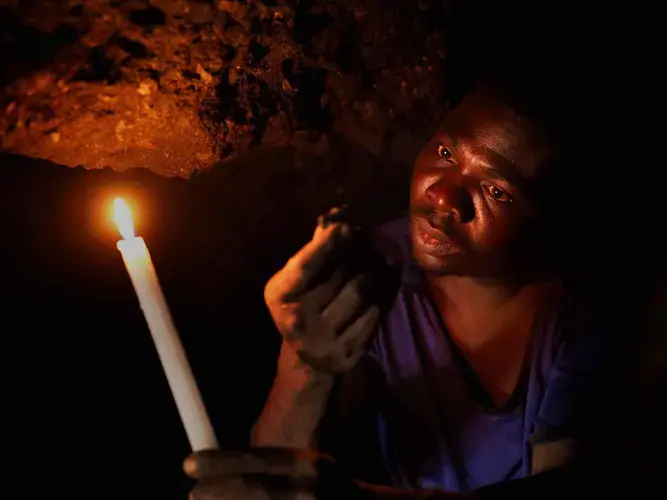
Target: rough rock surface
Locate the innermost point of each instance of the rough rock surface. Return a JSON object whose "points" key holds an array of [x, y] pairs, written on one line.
{"points": [[178, 86]]}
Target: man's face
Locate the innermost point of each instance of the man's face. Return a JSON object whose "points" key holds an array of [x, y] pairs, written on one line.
{"points": [[471, 208]]}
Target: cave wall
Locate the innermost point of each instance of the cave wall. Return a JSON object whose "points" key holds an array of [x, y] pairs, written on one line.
{"points": [[179, 86]]}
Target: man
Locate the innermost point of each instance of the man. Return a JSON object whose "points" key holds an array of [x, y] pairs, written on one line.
{"points": [[485, 366]]}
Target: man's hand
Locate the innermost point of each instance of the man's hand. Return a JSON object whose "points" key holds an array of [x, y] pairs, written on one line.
{"points": [[269, 474], [324, 303], [287, 474]]}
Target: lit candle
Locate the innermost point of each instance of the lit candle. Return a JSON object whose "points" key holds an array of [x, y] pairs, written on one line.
{"points": [[170, 350]]}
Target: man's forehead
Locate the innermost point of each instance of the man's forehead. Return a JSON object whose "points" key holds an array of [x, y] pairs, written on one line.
{"points": [[484, 122]]}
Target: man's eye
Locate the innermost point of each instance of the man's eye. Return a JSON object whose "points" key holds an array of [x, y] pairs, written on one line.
{"points": [[497, 194], [444, 153]]}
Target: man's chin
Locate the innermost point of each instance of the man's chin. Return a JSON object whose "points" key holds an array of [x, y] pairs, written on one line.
{"points": [[440, 265]]}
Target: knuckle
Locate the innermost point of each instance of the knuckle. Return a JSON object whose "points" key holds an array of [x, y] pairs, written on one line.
{"points": [[356, 293], [292, 321], [269, 291], [353, 292]]}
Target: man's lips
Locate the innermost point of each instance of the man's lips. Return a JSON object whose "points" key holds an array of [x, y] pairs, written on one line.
{"points": [[433, 239]]}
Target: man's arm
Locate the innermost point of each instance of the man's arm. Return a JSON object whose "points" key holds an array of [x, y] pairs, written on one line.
{"points": [[295, 406], [336, 417], [325, 315]]}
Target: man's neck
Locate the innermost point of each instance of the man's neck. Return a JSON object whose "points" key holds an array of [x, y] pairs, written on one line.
{"points": [[468, 301], [491, 324], [464, 292]]}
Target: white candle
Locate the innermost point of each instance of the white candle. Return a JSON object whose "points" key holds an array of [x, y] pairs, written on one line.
{"points": [[170, 350]]}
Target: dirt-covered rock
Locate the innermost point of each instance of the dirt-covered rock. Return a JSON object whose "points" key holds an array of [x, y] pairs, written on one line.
{"points": [[177, 86]]}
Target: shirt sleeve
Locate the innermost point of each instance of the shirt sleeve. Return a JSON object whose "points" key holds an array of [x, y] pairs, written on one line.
{"points": [[584, 388], [349, 430]]}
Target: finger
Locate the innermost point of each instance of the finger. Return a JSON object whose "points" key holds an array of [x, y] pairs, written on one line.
{"points": [[321, 295], [313, 259], [336, 214], [282, 461], [349, 301], [358, 332], [352, 340], [304, 268]]}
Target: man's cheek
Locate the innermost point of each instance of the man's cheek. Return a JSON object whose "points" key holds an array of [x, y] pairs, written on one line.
{"points": [[490, 237]]}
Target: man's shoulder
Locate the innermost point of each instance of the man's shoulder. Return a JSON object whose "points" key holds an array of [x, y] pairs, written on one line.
{"points": [[581, 338]]}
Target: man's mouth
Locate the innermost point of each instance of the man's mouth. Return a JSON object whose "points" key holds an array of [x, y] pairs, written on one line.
{"points": [[434, 240]]}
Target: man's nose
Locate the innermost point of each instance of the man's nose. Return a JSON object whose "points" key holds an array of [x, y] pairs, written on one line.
{"points": [[449, 196]]}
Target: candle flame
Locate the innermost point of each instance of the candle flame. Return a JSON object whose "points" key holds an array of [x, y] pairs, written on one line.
{"points": [[123, 218]]}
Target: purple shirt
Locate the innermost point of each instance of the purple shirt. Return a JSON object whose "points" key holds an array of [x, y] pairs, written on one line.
{"points": [[413, 414]]}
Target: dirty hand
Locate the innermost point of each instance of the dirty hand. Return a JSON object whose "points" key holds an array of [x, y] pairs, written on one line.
{"points": [[325, 301], [269, 474]]}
